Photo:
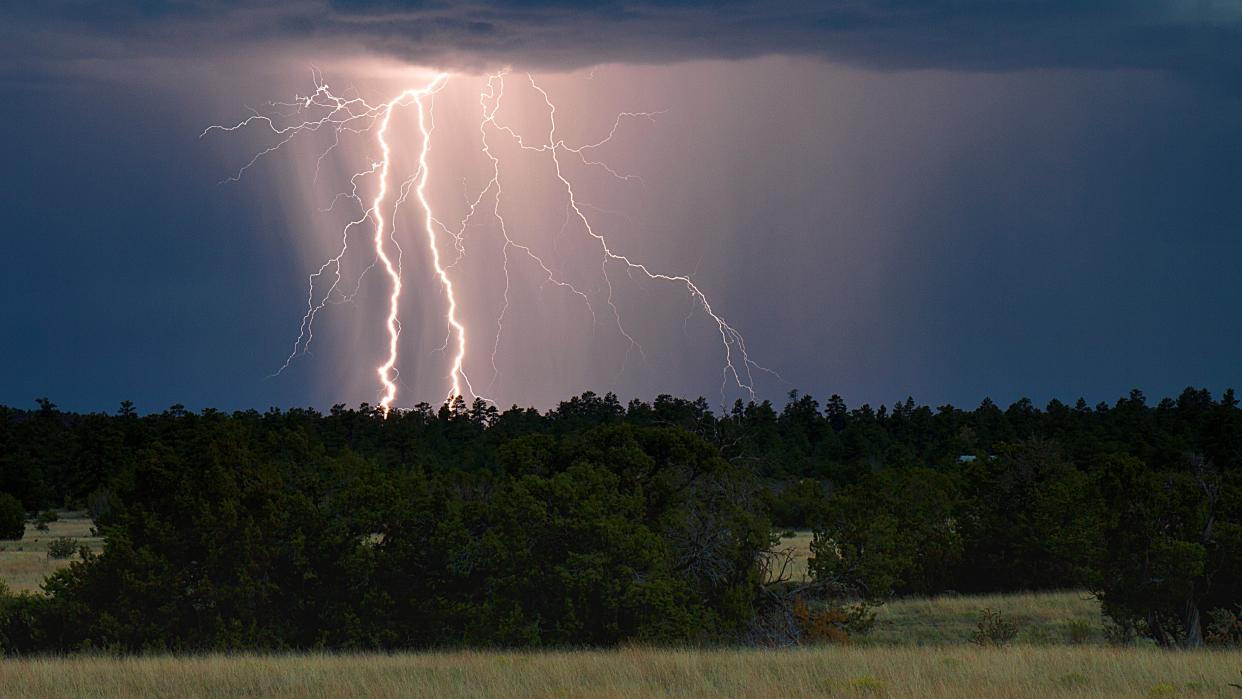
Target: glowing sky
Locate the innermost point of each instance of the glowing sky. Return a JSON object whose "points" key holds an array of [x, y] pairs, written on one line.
{"points": [[886, 199]]}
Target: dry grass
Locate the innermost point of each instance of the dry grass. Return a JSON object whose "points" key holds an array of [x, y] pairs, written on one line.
{"points": [[800, 542], [24, 563], [961, 671]]}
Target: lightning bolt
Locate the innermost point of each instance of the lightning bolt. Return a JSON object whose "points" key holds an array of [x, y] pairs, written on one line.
{"points": [[732, 341], [457, 373], [490, 100], [322, 109]]}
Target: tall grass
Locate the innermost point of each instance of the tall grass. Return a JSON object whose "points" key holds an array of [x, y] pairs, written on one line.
{"points": [[960, 671]]}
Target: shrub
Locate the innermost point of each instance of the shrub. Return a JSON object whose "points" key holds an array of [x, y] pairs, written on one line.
{"points": [[1120, 633], [45, 517], [994, 630], [1078, 631], [1225, 627], [12, 518], [62, 547], [834, 624], [801, 504], [891, 532], [19, 618]]}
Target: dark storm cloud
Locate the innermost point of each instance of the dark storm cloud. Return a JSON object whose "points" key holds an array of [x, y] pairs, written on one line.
{"points": [[1201, 40]]}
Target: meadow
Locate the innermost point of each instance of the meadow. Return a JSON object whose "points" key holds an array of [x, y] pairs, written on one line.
{"points": [[1018, 672], [1042, 618], [25, 563], [1069, 617]]}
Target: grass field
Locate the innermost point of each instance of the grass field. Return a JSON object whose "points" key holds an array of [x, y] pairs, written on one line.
{"points": [[1016, 672], [24, 563], [1043, 618]]}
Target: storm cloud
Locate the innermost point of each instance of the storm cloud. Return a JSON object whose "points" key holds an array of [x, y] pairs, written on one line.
{"points": [[1200, 41]]}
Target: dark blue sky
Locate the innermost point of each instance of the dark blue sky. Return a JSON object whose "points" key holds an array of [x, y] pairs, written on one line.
{"points": [[1025, 199]]}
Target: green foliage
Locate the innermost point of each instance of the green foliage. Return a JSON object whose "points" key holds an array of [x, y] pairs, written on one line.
{"points": [[12, 518], [1174, 546], [891, 531], [18, 621], [621, 534], [62, 547], [600, 523], [994, 629], [643, 534], [801, 504], [1027, 520], [1225, 627]]}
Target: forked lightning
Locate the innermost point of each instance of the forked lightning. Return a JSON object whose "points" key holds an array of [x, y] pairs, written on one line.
{"points": [[323, 109]]}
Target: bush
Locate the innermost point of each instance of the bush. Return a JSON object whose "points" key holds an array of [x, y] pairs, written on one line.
{"points": [[801, 504], [1225, 627], [45, 518], [1120, 633], [19, 618], [62, 547], [12, 518], [891, 532], [994, 630], [832, 624], [1078, 631], [630, 535]]}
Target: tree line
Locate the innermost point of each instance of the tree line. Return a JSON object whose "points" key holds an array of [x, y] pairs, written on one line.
{"points": [[598, 523]]}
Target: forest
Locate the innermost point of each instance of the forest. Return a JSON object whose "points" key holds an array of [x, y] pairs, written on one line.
{"points": [[599, 523]]}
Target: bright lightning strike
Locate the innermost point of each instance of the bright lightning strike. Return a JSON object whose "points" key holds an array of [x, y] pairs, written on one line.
{"points": [[325, 110], [385, 370]]}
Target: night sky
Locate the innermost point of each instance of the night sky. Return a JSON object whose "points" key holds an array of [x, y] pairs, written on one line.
{"points": [[943, 200]]}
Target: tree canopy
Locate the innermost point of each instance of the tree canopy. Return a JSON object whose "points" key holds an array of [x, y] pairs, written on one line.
{"points": [[600, 523]]}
